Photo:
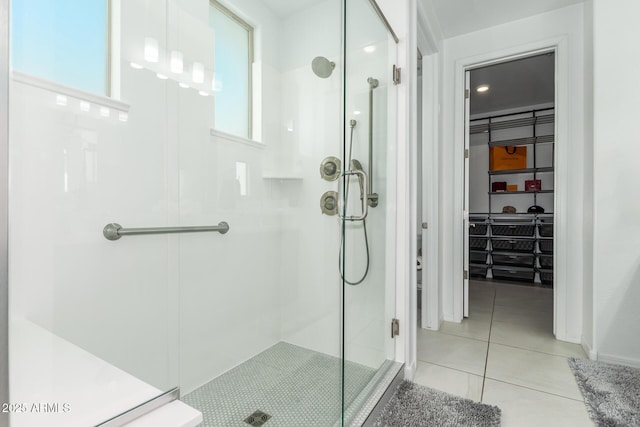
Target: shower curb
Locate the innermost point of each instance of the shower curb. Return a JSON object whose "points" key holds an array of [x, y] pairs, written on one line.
{"points": [[383, 388]]}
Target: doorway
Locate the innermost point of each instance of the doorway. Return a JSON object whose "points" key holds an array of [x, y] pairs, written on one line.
{"points": [[509, 184], [505, 346]]}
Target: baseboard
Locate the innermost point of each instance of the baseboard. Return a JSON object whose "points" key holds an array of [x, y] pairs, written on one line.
{"points": [[429, 320], [437, 328], [573, 340], [618, 360], [410, 370], [591, 354], [561, 335]]}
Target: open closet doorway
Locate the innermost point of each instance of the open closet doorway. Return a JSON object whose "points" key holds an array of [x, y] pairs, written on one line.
{"points": [[509, 190]]}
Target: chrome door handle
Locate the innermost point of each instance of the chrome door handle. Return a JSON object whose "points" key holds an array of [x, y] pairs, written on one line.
{"points": [[365, 190]]}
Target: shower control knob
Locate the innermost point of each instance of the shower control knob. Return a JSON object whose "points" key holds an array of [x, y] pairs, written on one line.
{"points": [[330, 168], [329, 203]]}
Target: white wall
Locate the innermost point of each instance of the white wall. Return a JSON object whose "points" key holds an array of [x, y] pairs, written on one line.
{"points": [[230, 286], [616, 248], [564, 23], [429, 38], [171, 310], [588, 292], [72, 173]]}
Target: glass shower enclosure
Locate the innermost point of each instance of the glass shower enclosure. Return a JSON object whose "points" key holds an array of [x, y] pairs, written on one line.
{"points": [[201, 207]]}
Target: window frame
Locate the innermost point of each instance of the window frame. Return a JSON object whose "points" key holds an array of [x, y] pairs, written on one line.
{"points": [[108, 40], [250, 31]]}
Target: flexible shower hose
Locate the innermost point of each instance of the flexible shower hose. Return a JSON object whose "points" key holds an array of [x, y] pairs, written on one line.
{"points": [[364, 225]]}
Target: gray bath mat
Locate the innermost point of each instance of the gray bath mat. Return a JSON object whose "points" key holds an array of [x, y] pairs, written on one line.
{"points": [[413, 405], [611, 392]]}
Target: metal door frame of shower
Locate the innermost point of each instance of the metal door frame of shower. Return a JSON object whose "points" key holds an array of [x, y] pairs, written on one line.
{"points": [[4, 209], [400, 348]]}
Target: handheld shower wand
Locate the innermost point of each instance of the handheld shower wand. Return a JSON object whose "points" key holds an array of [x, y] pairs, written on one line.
{"points": [[354, 165]]}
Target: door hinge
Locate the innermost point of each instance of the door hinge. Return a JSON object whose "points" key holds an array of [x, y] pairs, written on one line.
{"points": [[466, 94], [466, 153], [395, 328], [396, 75], [465, 275]]}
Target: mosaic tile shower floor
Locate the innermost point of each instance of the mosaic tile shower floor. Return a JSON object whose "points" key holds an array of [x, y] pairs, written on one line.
{"points": [[296, 386]]}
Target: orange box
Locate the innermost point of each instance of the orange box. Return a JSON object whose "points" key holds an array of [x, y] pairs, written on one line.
{"points": [[507, 158], [512, 187]]}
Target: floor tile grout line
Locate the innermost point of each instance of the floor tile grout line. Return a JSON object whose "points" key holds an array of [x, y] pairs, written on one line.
{"points": [[460, 336], [449, 367], [533, 351], [494, 307], [527, 308], [486, 360], [439, 331], [535, 389]]}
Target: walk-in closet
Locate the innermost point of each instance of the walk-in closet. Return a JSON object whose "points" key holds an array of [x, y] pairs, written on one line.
{"points": [[510, 174]]}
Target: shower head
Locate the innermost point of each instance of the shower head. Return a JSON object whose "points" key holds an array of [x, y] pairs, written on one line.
{"points": [[322, 67], [373, 83]]}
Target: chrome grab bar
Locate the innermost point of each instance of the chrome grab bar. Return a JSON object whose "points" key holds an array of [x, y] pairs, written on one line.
{"points": [[115, 231], [365, 190]]}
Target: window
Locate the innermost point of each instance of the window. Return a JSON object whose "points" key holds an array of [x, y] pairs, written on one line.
{"points": [[65, 41], [233, 59]]}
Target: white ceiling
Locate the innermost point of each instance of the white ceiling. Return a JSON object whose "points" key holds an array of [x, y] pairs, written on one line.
{"points": [[284, 8], [522, 83], [458, 17]]}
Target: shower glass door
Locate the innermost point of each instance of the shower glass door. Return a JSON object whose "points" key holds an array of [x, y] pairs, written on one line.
{"points": [[138, 114], [369, 244]]}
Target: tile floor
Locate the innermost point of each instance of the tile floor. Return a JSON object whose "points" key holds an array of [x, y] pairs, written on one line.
{"points": [[296, 386], [505, 354]]}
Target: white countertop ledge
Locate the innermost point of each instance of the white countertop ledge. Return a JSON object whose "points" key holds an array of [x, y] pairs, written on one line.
{"points": [[75, 387]]}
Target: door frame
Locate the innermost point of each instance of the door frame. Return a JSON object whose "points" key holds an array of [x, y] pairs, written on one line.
{"points": [[465, 198], [559, 46], [431, 315], [429, 42]]}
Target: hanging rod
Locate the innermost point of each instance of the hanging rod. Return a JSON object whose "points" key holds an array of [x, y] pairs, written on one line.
{"points": [[115, 231]]}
